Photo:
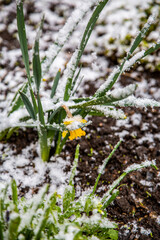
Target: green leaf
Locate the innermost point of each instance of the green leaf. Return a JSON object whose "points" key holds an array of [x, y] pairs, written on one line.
{"points": [[3, 198], [53, 127], [132, 101], [76, 78], [42, 223], [76, 88], [105, 111], [111, 198], [22, 36], [1, 228], [129, 169], [17, 100], [11, 131], [40, 111], [113, 234], [37, 73], [55, 83], [3, 133], [107, 99], [120, 93], [28, 105], [88, 205], [51, 117], [104, 165], [152, 49], [63, 141], [13, 226], [14, 194], [69, 195]]}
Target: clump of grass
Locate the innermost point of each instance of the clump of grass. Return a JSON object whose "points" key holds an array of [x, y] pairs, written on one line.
{"points": [[51, 216], [63, 118]]}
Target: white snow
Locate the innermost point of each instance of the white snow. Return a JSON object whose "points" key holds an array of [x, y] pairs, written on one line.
{"points": [[122, 133], [14, 166], [136, 119]]}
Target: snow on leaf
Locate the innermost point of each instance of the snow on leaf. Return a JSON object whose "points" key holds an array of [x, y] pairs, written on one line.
{"points": [[132, 101]]}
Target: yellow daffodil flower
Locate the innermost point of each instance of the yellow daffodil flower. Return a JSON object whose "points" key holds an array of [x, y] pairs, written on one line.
{"points": [[71, 124]]}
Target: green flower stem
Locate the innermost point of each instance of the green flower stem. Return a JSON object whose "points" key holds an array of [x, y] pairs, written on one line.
{"points": [[42, 132], [44, 148], [59, 149], [58, 143]]}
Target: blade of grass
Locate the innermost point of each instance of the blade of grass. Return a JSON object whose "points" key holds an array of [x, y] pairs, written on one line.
{"points": [[2, 207], [28, 105], [152, 49], [131, 168], [40, 111], [13, 226], [111, 198], [17, 101], [22, 36], [36, 58], [14, 194], [55, 83], [104, 165]]}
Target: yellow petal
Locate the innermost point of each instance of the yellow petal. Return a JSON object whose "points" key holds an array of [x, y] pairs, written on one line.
{"points": [[68, 122], [64, 133], [72, 135], [83, 121]]}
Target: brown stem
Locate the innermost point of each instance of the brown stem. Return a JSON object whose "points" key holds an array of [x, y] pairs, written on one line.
{"points": [[69, 114]]}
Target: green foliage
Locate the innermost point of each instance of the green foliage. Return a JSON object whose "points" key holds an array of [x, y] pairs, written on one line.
{"points": [[28, 105], [22, 37], [45, 216], [105, 101]]}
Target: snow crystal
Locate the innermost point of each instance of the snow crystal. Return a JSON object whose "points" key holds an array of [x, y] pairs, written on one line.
{"points": [[18, 2], [14, 166], [108, 111], [145, 126], [146, 183], [158, 220], [145, 231], [129, 63], [123, 92], [148, 137], [122, 134], [69, 234], [138, 102], [124, 122], [136, 119]]}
